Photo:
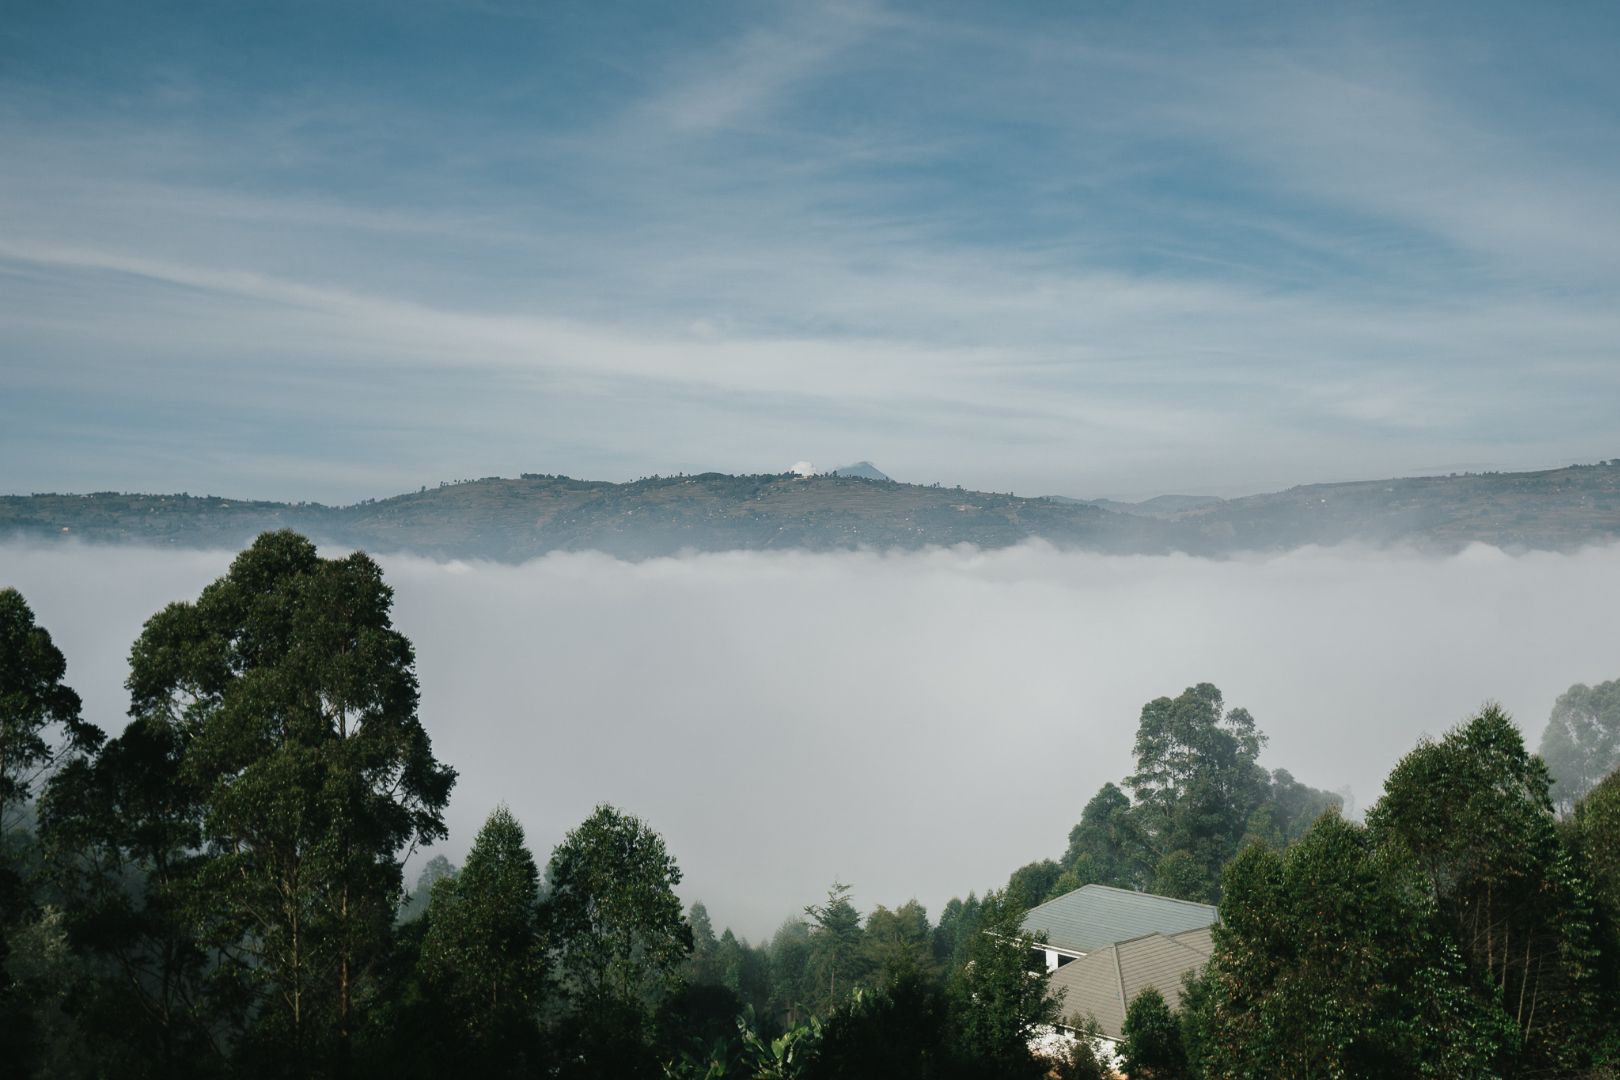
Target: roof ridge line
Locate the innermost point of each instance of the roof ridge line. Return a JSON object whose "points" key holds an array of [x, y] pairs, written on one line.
{"points": [[1125, 892]]}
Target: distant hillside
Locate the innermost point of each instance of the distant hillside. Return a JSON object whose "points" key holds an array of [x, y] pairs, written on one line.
{"points": [[1159, 506], [1557, 509], [518, 519], [512, 520]]}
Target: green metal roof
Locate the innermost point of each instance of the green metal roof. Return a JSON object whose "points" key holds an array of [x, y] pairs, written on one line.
{"points": [[1095, 916]]}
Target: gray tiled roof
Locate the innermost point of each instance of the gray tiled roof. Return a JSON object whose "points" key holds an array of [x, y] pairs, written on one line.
{"points": [[1097, 915], [1102, 984]]}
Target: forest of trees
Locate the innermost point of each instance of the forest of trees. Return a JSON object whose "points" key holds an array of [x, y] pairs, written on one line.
{"points": [[216, 890]]}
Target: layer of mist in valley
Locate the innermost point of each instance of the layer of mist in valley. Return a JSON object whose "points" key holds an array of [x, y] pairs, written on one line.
{"points": [[916, 724]]}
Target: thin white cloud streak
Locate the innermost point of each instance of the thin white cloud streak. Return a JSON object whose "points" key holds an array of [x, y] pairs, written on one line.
{"points": [[1366, 137], [919, 724], [1120, 335], [752, 72], [735, 245]]}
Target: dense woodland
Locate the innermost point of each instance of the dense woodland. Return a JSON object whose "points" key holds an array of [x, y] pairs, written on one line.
{"points": [[216, 890]]}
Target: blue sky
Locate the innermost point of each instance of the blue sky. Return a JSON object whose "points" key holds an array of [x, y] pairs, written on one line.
{"points": [[338, 250]]}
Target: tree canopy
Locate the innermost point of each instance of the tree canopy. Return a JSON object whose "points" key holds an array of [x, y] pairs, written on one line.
{"points": [[33, 700], [611, 913], [1473, 811], [1581, 743]]}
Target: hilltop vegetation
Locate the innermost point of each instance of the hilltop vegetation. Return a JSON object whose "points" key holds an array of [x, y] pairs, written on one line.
{"points": [[516, 519]]}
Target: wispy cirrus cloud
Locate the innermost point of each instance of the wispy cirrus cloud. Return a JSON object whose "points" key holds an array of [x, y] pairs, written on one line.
{"points": [[1079, 253]]}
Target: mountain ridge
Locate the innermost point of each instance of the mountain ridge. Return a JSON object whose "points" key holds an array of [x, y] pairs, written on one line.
{"points": [[515, 519]]}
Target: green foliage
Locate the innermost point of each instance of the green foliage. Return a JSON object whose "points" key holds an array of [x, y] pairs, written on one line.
{"points": [[788, 1056], [1180, 874], [40, 730], [996, 1002], [37, 980], [611, 915], [1031, 884], [788, 962], [293, 701], [433, 871], [898, 944], [1596, 827], [1105, 847], [745, 970], [1474, 812], [1083, 1061], [1329, 963], [1197, 783], [1289, 810], [1152, 1047], [703, 966], [1581, 743], [958, 926], [1200, 794], [482, 952], [33, 701], [1594, 836], [1197, 1016], [902, 1032], [835, 943], [260, 800], [124, 833]]}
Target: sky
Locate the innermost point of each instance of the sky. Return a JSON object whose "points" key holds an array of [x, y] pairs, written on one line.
{"points": [[339, 250], [916, 724]]}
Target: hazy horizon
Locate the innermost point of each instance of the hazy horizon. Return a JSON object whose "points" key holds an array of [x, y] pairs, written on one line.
{"points": [[1227, 492]]}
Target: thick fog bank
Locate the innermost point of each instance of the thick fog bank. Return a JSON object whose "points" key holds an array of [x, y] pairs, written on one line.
{"points": [[916, 724]]}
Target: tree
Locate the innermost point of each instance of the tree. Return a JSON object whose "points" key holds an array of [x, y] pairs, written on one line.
{"points": [[1581, 743], [835, 940], [1594, 830], [285, 706], [1289, 810], [1104, 848], [1596, 825], [612, 915], [618, 941], [1329, 962], [482, 950], [34, 705], [43, 1038], [898, 944], [1151, 1046], [33, 701], [1032, 883], [433, 871], [788, 961], [703, 966], [1197, 781], [958, 925], [996, 1001], [124, 833], [900, 1032], [1473, 810]]}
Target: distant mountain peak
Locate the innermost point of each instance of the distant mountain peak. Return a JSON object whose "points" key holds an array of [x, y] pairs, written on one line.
{"points": [[864, 469]]}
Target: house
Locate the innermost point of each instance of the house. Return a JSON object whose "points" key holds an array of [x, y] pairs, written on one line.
{"points": [[1105, 946], [1102, 984], [1094, 917]]}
